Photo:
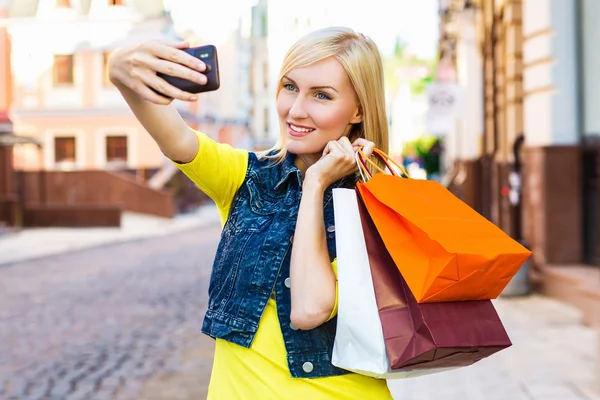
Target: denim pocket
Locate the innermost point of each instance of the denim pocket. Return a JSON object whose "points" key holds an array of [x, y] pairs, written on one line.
{"points": [[255, 212]]}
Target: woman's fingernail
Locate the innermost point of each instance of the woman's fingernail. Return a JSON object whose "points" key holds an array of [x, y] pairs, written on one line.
{"points": [[193, 98]]}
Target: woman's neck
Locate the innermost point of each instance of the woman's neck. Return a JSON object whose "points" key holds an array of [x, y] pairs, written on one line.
{"points": [[305, 161]]}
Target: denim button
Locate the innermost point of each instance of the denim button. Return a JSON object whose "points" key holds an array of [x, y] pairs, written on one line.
{"points": [[292, 239], [331, 228], [287, 283], [307, 367], [294, 327]]}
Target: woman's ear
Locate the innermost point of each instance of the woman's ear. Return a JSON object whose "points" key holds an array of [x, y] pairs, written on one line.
{"points": [[357, 117]]}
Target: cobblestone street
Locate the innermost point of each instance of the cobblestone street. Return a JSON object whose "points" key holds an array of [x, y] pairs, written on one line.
{"points": [[98, 323]]}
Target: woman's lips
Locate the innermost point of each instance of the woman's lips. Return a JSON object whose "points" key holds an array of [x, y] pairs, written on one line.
{"points": [[304, 131]]}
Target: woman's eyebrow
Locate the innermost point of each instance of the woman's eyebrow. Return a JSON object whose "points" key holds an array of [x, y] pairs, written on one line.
{"points": [[323, 87], [312, 88]]}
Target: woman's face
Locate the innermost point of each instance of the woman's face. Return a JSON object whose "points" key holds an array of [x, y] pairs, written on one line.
{"points": [[316, 104]]}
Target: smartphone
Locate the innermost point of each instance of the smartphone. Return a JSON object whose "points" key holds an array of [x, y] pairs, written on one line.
{"points": [[208, 55]]}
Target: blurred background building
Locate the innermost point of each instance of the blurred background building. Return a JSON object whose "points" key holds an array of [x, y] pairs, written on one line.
{"points": [[80, 145], [60, 87], [77, 154], [524, 151]]}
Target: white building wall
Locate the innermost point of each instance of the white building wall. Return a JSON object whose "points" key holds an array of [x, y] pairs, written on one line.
{"points": [[550, 72], [590, 68], [470, 124], [261, 97]]}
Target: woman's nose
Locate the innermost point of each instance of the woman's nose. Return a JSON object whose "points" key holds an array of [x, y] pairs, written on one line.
{"points": [[298, 111]]}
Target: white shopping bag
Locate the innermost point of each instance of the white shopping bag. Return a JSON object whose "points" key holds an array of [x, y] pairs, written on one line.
{"points": [[359, 344]]}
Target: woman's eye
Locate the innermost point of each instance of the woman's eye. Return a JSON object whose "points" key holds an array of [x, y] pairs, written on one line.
{"points": [[289, 86], [323, 96]]}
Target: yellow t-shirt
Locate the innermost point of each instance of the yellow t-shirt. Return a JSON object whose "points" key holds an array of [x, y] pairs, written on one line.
{"points": [[261, 371]]}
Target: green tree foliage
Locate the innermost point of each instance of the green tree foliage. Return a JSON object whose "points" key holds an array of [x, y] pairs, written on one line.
{"points": [[398, 66], [427, 149]]}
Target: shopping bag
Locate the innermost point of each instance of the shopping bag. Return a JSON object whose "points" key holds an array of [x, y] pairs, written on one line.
{"points": [[444, 249], [428, 335], [359, 344]]}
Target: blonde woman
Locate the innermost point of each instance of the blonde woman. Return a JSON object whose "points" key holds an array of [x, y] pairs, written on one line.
{"points": [[272, 294]]}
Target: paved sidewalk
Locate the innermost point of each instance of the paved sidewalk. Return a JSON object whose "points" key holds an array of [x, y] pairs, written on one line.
{"points": [[40, 242], [553, 357]]}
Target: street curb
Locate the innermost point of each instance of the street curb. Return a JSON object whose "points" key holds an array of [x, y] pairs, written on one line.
{"points": [[134, 239]]}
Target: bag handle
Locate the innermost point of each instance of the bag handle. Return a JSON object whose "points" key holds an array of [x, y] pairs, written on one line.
{"points": [[365, 173], [385, 158], [362, 160]]}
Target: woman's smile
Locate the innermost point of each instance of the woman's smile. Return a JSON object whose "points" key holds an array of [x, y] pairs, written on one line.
{"points": [[299, 131]]}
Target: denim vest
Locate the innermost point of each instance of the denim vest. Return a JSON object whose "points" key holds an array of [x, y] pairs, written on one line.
{"points": [[253, 261]]}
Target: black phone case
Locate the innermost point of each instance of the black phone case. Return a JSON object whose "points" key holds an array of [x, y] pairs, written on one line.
{"points": [[208, 54]]}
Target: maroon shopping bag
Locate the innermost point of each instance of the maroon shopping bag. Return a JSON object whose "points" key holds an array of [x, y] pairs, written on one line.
{"points": [[427, 335]]}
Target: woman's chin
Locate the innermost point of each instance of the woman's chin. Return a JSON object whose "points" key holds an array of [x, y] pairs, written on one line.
{"points": [[298, 149]]}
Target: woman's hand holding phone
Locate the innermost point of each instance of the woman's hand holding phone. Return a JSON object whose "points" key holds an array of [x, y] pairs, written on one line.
{"points": [[136, 67]]}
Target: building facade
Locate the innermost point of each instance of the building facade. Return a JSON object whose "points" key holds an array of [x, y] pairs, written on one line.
{"points": [[58, 96], [527, 152], [9, 204], [62, 97], [61, 94], [259, 77]]}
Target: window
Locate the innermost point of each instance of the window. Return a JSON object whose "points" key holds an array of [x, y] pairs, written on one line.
{"points": [[116, 148], [259, 21], [115, 2], [64, 149], [63, 3], [252, 77], [264, 24], [266, 75], [105, 79], [266, 116], [63, 69]]}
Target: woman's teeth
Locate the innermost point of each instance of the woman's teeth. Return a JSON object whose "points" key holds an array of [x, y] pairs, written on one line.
{"points": [[298, 129]]}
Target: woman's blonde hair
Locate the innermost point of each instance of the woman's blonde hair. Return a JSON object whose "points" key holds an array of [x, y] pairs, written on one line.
{"points": [[360, 58]]}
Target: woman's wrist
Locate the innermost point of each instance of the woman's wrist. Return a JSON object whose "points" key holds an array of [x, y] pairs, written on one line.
{"points": [[314, 181]]}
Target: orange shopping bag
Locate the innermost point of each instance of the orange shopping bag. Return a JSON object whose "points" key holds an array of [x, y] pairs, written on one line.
{"points": [[444, 249]]}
